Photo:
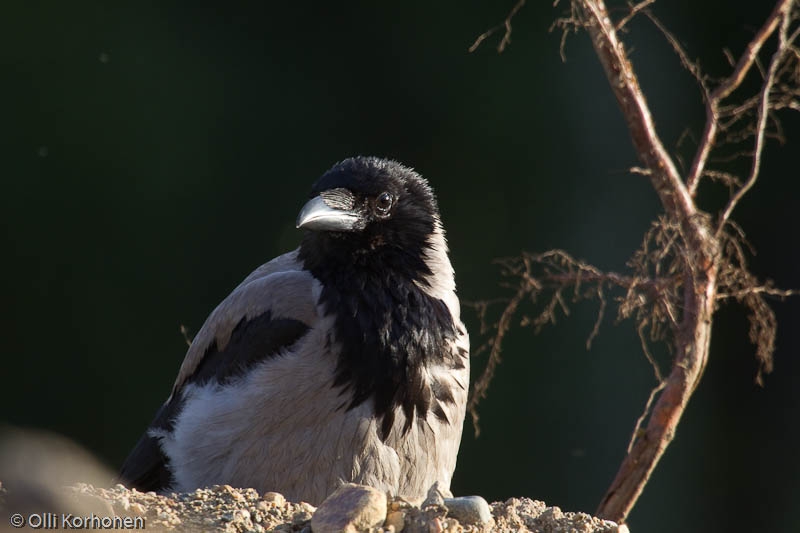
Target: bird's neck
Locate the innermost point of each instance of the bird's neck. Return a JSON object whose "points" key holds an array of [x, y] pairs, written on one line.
{"points": [[388, 328]]}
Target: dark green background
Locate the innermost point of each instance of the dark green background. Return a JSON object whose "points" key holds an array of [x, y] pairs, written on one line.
{"points": [[152, 154]]}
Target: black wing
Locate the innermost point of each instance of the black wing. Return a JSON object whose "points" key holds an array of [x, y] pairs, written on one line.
{"points": [[145, 468], [252, 341]]}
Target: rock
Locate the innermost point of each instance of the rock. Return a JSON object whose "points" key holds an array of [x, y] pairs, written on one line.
{"points": [[435, 497], [470, 510], [518, 514], [275, 498], [301, 519], [350, 508], [307, 507], [395, 520], [244, 510]]}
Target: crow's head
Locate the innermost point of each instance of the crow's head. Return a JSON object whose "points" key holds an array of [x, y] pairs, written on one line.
{"points": [[371, 211]]}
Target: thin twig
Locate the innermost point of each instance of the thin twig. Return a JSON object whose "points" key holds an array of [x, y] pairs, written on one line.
{"points": [[691, 66], [506, 40], [637, 429], [639, 170], [600, 314], [647, 354], [761, 289], [481, 385], [728, 85], [635, 9], [763, 113]]}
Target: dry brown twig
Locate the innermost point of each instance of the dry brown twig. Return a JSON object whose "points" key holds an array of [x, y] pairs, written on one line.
{"points": [[690, 260], [506, 25]]}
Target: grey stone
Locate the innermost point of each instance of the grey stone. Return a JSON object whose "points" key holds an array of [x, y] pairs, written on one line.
{"points": [[435, 497], [350, 508], [469, 510]]}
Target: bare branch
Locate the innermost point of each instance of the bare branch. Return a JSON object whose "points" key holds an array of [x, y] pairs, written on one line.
{"points": [[728, 85], [506, 40], [688, 64], [750, 54], [570, 23], [635, 9], [637, 429], [647, 354], [600, 314], [685, 265], [700, 268], [665, 177], [763, 112], [481, 385], [726, 178], [761, 289]]}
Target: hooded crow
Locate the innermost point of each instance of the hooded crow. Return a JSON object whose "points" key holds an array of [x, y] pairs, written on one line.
{"points": [[344, 360]]}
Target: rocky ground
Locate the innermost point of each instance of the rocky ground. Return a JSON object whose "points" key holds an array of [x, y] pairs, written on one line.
{"points": [[46, 479], [352, 508]]}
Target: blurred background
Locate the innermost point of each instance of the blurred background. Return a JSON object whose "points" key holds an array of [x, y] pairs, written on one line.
{"points": [[154, 153]]}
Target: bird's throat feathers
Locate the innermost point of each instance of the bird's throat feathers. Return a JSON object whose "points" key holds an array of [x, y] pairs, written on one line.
{"points": [[389, 328]]}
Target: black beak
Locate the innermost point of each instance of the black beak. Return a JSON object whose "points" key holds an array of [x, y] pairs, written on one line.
{"points": [[318, 216]]}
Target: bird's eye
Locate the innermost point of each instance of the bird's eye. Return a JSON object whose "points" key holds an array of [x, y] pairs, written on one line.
{"points": [[384, 202]]}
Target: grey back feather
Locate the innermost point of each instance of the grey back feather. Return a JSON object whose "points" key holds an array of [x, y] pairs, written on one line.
{"points": [[279, 286]]}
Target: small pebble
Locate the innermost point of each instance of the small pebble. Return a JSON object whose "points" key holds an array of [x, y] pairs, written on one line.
{"points": [[435, 497], [351, 507], [300, 518], [436, 526], [275, 498], [125, 503], [307, 507], [395, 520], [241, 514], [469, 510]]}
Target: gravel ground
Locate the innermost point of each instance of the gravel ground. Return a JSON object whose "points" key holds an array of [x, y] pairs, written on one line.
{"points": [[224, 508], [39, 475]]}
